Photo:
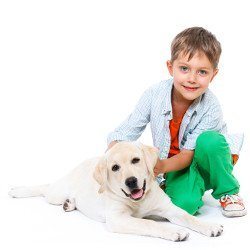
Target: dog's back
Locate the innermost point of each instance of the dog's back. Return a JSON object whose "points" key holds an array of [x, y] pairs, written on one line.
{"points": [[79, 185]]}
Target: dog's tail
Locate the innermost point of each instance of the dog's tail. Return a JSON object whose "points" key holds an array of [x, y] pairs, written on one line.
{"points": [[24, 192]]}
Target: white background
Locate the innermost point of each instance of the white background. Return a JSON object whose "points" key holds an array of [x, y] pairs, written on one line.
{"points": [[70, 72]]}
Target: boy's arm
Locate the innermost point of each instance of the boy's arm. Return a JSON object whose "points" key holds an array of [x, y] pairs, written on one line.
{"points": [[175, 163], [132, 128], [211, 120]]}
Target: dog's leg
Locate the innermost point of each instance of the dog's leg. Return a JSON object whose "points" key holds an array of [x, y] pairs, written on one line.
{"points": [[124, 223], [25, 192], [180, 217], [69, 205], [55, 193], [58, 192]]}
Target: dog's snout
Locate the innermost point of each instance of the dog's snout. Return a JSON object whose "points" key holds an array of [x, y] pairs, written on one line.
{"points": [[131, 182]]}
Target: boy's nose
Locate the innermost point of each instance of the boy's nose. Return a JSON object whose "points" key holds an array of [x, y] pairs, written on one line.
{"points": [[192, 77]]}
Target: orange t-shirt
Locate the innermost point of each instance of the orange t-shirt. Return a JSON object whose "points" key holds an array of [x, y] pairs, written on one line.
{"points": [[174, 127]]}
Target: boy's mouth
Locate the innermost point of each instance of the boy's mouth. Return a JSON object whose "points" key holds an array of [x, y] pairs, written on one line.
{"points": [[190, 88]]}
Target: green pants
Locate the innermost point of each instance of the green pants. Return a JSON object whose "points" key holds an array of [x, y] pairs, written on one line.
{"points": [[211, 168]]}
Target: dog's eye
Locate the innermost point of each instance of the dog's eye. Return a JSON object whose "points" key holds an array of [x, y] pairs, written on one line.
{"points": [[135, 160], [115, 167]]}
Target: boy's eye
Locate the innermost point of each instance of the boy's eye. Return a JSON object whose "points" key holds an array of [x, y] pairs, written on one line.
{"points": [[202, 72], [184, 68]]}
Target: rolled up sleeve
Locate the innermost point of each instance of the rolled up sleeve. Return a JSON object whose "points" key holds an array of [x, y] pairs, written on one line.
{"points": [[132, 128]]}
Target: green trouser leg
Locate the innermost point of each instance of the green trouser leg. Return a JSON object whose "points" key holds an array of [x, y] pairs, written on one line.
{"points": [[211, 168]]}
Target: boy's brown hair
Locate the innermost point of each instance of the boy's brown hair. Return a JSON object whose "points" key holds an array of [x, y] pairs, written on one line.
{"points": [[196, 39]]}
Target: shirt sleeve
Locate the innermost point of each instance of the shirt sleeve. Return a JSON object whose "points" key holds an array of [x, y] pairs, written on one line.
{"points": [[211, 120], [132, 128]]}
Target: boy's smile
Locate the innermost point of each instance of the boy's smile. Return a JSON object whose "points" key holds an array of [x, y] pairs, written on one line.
{"points": [[191, 77]]}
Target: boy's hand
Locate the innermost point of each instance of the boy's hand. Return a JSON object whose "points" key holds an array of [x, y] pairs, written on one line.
{"points": [[111, 145], [159, 167], [174, 163]]}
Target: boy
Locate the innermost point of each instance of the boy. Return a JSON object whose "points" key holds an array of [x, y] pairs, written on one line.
{"points": [[195, 153]]}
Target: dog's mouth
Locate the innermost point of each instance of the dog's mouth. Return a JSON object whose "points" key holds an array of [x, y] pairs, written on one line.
{"points": [[136, 194]]}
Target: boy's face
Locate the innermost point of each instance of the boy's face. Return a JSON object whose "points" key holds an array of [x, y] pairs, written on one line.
{"points": [[191, 78]]}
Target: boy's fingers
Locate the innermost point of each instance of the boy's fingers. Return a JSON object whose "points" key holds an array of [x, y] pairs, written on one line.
{"points": [[156, 172]]}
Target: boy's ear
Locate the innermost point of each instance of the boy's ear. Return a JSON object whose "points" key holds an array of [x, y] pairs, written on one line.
{"points": [[215, 73], [100, 174], [170, 67], [151, 157]]}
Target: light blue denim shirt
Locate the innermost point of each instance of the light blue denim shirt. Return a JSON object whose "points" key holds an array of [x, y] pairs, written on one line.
{"points": [[155, 107]]}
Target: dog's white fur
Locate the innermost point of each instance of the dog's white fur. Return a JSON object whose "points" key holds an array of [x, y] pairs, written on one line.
{"points": [[100, 193]]}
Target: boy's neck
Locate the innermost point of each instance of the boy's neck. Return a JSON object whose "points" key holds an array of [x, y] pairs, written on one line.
{"points": [[178, 100]]}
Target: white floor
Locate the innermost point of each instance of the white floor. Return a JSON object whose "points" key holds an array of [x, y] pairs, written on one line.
{"points": [[34, 224]]}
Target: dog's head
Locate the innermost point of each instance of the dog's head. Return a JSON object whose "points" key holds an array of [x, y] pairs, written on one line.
{"points": [[127, 170]]}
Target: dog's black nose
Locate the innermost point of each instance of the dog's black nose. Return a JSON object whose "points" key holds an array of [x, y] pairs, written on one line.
{"points": [[131, 182]]}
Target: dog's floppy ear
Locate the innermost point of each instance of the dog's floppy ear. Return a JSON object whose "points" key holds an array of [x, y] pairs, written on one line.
{"points": [[151, 157], [100, 174]]}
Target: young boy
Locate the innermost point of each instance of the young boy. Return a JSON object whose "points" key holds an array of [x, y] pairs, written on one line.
{"points": [[195, 153]]}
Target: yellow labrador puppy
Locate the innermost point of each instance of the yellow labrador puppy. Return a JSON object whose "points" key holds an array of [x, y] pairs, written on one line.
{"points": [[120, 190]]}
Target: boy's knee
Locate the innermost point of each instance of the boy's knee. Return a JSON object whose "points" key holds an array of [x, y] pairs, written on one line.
{"points": [[210, 141], [190, 205]]}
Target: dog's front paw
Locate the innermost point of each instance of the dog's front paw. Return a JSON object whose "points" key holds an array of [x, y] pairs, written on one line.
{"points": [[212, 230], [180, 235]]}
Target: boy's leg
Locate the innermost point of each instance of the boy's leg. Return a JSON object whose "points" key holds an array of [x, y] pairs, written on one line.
{"points": [[211, 169], [215, 163], [214, 160], [186, 188]]}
